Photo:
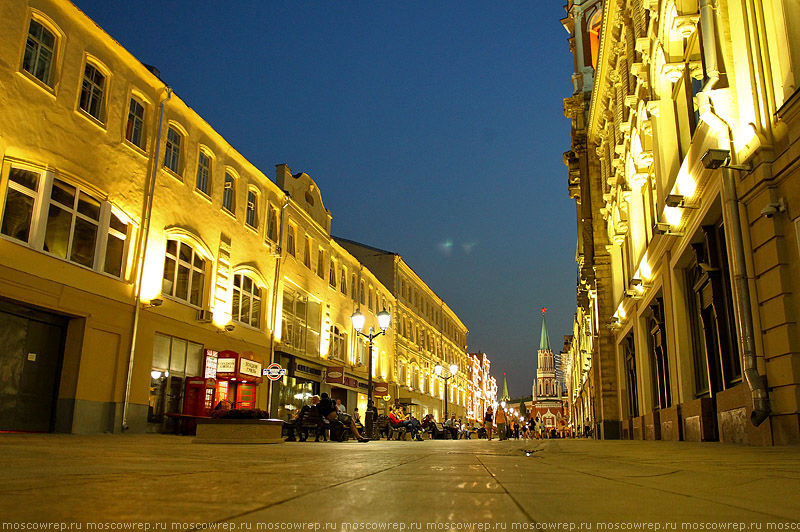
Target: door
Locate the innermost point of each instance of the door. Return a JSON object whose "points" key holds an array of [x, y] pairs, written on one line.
{"points": [[31, 349]]}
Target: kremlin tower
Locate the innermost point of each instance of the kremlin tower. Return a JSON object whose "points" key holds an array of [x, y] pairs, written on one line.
{"points": [[547, 403]]}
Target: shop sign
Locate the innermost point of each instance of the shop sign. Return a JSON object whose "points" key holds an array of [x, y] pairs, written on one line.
{"points": [[249, 367], [309, 370], [350, 381], [226, 365], [380, 389], [335, 375]]}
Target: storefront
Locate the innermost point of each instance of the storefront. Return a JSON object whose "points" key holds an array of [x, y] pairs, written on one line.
{"points": [[347, 388], [295, 389]]}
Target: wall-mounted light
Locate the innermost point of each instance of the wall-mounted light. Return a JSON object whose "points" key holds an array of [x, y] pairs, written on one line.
{"points": [[665, 229], [716, 158], [155, 302], [677, 200], [228, 328]]}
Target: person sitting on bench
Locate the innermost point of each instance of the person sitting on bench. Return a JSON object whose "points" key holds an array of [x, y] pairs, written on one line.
{"points": [[327, 410]]}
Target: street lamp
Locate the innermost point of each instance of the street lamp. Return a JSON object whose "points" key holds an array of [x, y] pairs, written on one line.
{"points": [[438, 368], [384, 319]]}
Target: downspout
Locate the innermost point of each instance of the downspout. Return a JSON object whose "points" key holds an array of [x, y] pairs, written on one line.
{"points": [[140, 266], [733, 227], [274, 309]]}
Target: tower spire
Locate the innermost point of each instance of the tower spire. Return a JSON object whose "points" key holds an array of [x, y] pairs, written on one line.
{"points": [[505, 396], [544, 342]]}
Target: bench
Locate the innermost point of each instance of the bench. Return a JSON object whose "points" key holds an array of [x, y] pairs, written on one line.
{"points": [[385, 427], [437, 432], [309, 420]]}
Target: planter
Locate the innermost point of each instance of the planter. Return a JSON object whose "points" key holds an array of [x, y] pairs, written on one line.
{"points": [[239, 431]]}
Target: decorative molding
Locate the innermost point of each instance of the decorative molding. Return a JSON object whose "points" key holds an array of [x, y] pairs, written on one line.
{"points": [[685, 25], [672, 72]]}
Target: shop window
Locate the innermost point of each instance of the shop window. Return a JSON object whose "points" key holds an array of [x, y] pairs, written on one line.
{"points": [[184, 273], [93, 90], [337, 347], [40, 52], [658, 345], [251, 214], [134, 128], [203, 182], [246, 300], [229, 193], [65, 221], [172, 150], [300, 322], [174, 360]]}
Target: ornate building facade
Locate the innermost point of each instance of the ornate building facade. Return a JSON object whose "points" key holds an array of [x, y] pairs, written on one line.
{"points": [[547, 402], [684, 132]]}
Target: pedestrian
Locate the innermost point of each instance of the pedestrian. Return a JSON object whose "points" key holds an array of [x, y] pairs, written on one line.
{"points": [[328, 410], [500, 419], [488, 420]]}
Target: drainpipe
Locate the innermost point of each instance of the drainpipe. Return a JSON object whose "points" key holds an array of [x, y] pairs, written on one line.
{"points": [[733, 226], [275, 295], [140, 266]]}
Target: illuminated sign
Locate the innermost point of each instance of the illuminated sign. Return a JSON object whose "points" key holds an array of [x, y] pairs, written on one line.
{"points": [[249, 367], [226, 365]]}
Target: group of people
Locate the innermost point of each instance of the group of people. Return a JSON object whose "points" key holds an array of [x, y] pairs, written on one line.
{"points": [[532, 428]]}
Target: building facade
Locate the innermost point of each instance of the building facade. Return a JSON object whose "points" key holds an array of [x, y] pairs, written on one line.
{"points": [[483, 386], [547, 401], [428, 333], [144, 261], [684, 129]]}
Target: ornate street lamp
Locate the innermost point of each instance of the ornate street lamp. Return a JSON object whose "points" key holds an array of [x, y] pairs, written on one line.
{"points": [[438, 368], [384, 319]]}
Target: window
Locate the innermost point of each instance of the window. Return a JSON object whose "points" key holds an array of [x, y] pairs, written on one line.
{"points": [[204, 173], [272, 224], [300, 322], [371, 299], [291, 234], [23, 189], [307, 252], [246, 300], [362, 292], [134, 130], [353, 287], [229, 193], [40, 50], [321, 263], [172, 150], [184, 273], [332, 274], [251, 215], [59, 218], [337, 347], [93, 91], [343, 284]]}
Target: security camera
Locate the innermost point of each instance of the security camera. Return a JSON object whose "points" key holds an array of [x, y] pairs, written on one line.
{"points": [[714, 158]]}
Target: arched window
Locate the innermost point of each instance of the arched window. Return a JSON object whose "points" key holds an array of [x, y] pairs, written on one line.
{"points": [[41, 50], [93, 90], [173, 149], [203, 182], [343, 285], [229, 193], [184, 273], [247, 300], [251, 215]]}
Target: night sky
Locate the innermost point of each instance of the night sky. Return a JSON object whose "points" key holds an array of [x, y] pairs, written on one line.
{"points": [[433, 129]]}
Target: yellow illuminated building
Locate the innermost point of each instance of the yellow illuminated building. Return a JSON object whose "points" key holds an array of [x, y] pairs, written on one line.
{"points": [[140, 251], [684, 132], [428, 333]]}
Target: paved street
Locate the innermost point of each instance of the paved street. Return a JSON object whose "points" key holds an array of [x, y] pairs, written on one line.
{"points": [[169, 483]]}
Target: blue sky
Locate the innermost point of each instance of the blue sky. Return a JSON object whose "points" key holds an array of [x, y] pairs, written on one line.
{"points": [[433, 129]]}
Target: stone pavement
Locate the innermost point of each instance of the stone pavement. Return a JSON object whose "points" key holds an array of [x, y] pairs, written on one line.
{"points": [[155, 482]]}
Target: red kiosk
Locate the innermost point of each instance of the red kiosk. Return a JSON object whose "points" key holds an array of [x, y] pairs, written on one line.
{"points": [[238, 375]]}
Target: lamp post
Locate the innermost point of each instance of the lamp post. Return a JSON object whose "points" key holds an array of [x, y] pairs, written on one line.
{"points": [[438, 368], [384, 319]]}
